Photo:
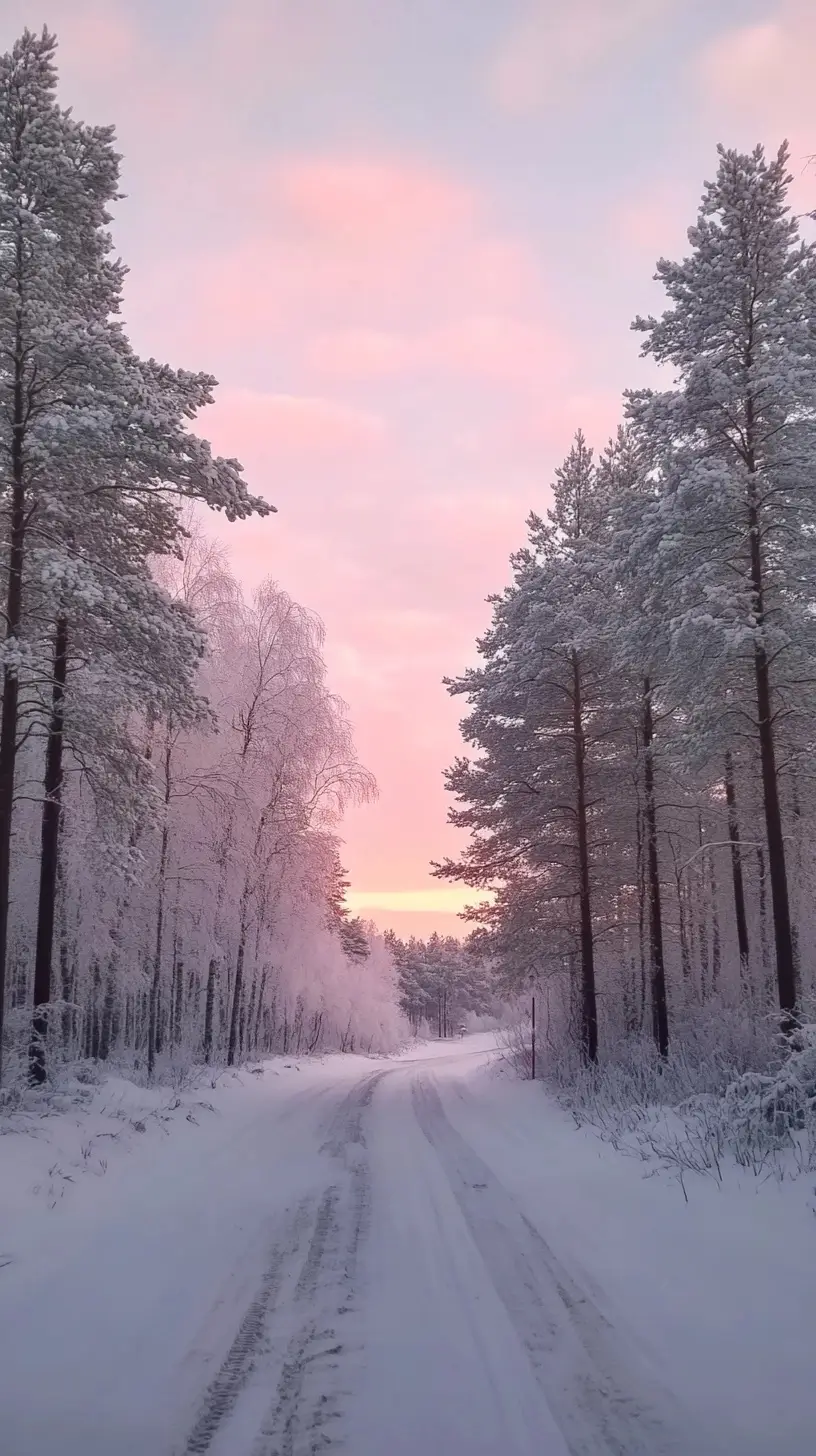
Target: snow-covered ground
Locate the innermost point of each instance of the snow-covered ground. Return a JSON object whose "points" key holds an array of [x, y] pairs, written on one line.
{"points": [[412, 1257]]}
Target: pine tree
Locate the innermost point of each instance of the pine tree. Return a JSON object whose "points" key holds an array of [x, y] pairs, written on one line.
{"points": [[736, 524], [96, 440], [540, 717], [638, 618]]}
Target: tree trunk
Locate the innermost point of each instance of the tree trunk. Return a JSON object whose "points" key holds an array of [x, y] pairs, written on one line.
{"points": [[716, 943], [737, 877], [777, 869], [67, 966], [153, 1033], [703, 916], [660, 1010], [250, 1020], [49, 857], [238, 986], [641, 894], [178, 982], [796, 881], [93, 1012], [259, 1011], [14, 612], [685, 954], [589, 1009], [244, 928], [108, 1014], [209, 1008]]}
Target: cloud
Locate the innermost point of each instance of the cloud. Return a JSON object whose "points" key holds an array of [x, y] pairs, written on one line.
{"points": [[654, 222], [757, 85], [357, 258], [274, 48], [558, 42], [749, 83], [298, 428], [486, 346], [100, 38], [373, 203]]}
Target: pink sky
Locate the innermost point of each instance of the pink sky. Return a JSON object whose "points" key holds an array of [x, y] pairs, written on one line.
{"points": [[408, 240]]}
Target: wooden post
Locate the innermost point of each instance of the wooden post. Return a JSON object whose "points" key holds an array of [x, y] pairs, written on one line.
{"points": [[534, 1044]]}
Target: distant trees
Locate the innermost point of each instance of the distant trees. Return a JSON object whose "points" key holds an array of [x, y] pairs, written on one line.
{"points": [[642, 722], [442, 980]]}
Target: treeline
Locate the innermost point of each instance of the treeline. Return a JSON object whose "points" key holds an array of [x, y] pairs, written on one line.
{"points": [[172, 764], [444, 984], [641, 795]]}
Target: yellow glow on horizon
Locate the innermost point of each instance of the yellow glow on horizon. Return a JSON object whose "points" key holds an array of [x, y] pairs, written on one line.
{"points": [[448, 899]]}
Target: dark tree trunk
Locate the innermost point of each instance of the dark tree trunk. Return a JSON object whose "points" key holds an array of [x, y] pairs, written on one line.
{"points": [[259, 1011], [685, 954], [237, 990], [67, 966], [737, 877], [703, 917], [178, 997], [209, 1008], [660, 1010], [589, 1009], [49, 857], [796, 815], [95, 1021], [777, 869], [317, 1031], [691, 920], [716, 943], [250, 1021], [108, 1013], [767, 975], [641, 893], [14, 612], [153, 1029]]}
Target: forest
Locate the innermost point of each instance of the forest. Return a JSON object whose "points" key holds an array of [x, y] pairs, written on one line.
{"points": [[639, 793], [173, 766], [636, 793]]}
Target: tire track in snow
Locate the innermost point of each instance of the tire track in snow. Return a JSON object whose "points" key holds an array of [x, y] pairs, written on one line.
{"points": [[303, 1406], [223, 1391], [604, 1408], [308, 1287]]}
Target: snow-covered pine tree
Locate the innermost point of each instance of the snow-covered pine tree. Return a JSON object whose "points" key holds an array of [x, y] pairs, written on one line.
{"points": [[639, 644], [540, 720], [84, 419], [737, 516]]}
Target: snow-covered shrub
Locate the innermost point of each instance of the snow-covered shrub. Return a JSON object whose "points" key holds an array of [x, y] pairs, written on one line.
{"points": [[777, 1110], [729, 1088]]}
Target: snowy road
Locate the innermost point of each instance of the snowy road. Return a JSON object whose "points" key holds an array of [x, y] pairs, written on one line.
{"points": [[363, 1257]]}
